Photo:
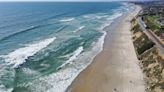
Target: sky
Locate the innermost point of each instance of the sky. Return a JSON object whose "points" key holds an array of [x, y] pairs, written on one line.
{"points": [[71, 0]]}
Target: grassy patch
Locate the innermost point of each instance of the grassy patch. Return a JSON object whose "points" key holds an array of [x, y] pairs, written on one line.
{"points": [[150, 21]]}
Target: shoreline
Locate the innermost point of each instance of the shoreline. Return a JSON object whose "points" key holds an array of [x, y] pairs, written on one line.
{"points": [[106, 72]]}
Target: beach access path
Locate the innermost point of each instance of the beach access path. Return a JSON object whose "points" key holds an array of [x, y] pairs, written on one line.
{"points": [[116, 67]]}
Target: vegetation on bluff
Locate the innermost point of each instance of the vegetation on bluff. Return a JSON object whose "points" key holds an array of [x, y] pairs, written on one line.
{"points": [[141, 41], [151, 60]]}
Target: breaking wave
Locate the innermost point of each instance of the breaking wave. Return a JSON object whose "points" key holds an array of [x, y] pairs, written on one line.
{"points": [[19, 56]]}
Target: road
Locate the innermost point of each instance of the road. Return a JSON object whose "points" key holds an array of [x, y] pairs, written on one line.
{"points": [[151, 35]]}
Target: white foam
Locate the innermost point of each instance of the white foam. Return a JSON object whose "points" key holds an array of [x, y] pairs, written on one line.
{"points": [[4, 89], [94, 16], [87, 16], [20, 55], [101, 16], [73, 57], [67, 20], [116, 15], [80, 28], [110, 19], [107, 23], [30, 71], [58, 82], [91, 16]]}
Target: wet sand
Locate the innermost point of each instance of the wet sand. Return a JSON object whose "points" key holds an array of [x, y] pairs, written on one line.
{"points": [[115, 68]]}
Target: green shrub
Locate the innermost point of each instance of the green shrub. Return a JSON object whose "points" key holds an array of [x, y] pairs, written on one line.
{"points": [[149, 20]]}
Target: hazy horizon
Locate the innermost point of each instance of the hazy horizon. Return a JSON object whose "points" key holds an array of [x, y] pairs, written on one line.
{"points": [[69, 0]]}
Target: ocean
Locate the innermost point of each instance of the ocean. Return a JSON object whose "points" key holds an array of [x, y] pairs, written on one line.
{"points": [[45, 45]]}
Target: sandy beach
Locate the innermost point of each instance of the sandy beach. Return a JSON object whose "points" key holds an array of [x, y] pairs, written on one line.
{"points": [[115, 68]]}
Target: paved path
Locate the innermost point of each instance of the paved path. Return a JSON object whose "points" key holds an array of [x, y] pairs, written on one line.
{"points": [[151, 35]]}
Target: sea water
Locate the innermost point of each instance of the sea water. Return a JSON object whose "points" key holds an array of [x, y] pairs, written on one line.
{"points": [[45, 45]]}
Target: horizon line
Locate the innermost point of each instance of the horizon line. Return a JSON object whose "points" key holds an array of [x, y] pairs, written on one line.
{"points": [[1, 1]]}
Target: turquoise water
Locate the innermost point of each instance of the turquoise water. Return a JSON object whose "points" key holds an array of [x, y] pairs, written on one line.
{"points": [[44, 46]]}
